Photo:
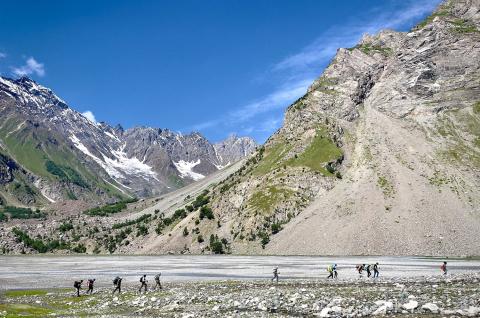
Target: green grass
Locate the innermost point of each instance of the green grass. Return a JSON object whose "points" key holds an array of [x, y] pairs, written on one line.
{"points": [[441, 13], [27, 292], [476, 108], [321, 151], [386, 186], [272, 158], [370, 49], [24, 310], [325, 85], [266, 200], [463, 26]]}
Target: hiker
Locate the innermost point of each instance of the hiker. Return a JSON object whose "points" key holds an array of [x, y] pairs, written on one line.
{"points": [[375, 270], [157, 281], [143, 281], [275, 274], [330, 271], [360, 268], [444, 268], [117, 282], [369, 273], [78, 284], [90, 283], [335, 274]]}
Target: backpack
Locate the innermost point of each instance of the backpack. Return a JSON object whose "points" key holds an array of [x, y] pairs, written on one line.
{"points": [[141, 279], [115, 280], [329, 268], [157, 277], [76, 284]]}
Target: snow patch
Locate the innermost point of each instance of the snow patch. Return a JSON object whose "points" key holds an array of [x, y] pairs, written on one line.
{"points": [[185, 169], [121, 166]]}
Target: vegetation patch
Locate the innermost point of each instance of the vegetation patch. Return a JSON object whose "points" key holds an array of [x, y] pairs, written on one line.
{"points": [[368, 49], [109, 209], [22, 213], [24, 310], [271, 157], [441, 13], [386, 186], [28, 292], [140, 219], [37, 244], [463, 26], [65, 173], [265, 201], [316, 156]]}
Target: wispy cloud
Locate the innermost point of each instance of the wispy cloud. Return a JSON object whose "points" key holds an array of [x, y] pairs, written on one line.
{"points": [[324, 47], [90, 116], [277, 99], [3, 55], [31, 67]]}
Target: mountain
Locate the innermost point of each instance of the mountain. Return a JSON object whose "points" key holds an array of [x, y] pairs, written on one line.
{"points": [[50, 152], [380, 156]]}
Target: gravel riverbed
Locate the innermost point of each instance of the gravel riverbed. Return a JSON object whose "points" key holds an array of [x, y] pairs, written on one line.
{"points": [[426, 296]]}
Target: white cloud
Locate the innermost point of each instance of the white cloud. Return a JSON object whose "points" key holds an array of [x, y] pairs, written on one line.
{"points": [[90, 116], [31, 67], [3, 55]]}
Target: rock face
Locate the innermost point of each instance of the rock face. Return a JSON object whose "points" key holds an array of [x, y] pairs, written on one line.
{"points": [[68, 156], [381, 155]]}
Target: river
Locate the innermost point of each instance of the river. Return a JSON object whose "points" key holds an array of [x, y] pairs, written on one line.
{"points": [[45, 271]]}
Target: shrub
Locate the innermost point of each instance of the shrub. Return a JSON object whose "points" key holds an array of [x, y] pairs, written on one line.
{"points": [[200, 238], [80, 248], [65, 227], [108, 209], [276, 227], [142, 230], [185, 231], [206, 212], [132, 222]]}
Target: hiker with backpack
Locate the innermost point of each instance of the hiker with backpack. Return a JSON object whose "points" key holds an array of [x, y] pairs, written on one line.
{"points": [[143, 282], [157, 281], [369, 273], [275, 274], [444, 268], [375, 270], [360, 269], [78, 285], [335, 274], [117, 282], [90, 283], [330, 271]]}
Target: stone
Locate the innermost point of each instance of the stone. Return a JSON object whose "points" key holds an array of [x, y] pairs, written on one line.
{"points": [[411, 305], [431, 307]]}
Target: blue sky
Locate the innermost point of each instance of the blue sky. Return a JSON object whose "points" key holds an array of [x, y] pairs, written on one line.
{"points": [[218, 67]]}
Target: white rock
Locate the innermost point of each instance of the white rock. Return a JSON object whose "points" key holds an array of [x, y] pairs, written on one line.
{"points": [[153, 299], [412, 304], [382, 310], [473, 311], [325, 312], [262, 306], [431, 308], [380, 302], [237, 303]]}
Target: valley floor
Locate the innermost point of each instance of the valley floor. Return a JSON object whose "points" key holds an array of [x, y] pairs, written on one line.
{"points": [[427, 296]]}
